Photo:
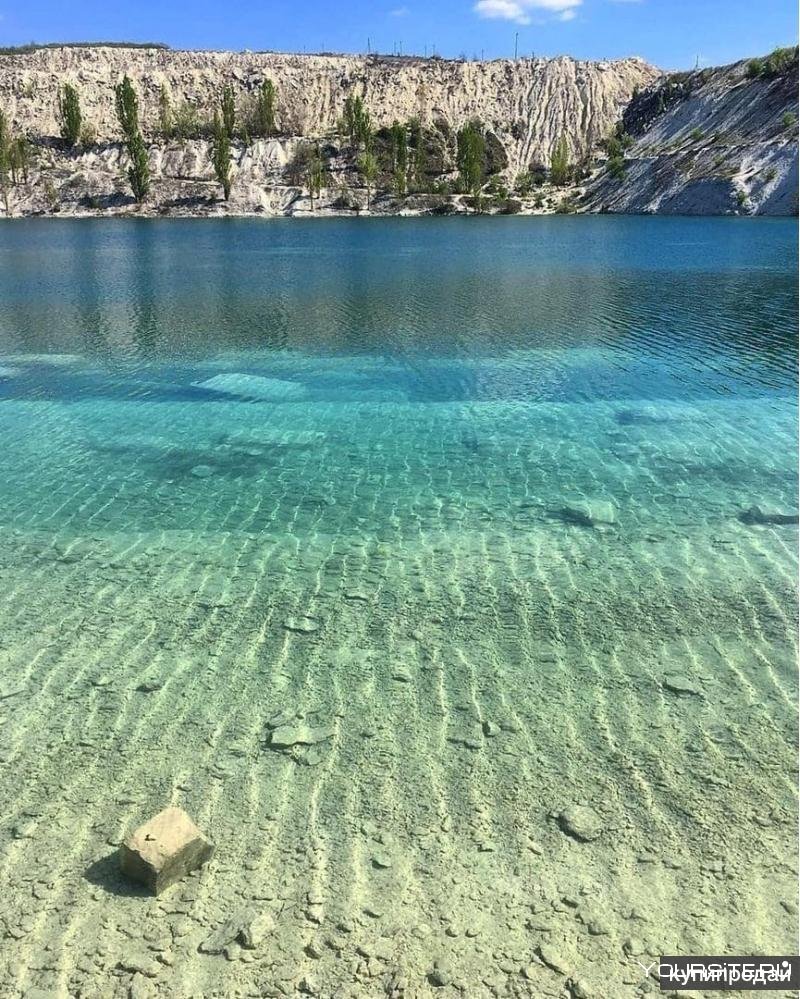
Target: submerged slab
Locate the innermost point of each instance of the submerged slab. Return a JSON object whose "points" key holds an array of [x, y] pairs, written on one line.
{"points": [[254, 387], [163, 850]]}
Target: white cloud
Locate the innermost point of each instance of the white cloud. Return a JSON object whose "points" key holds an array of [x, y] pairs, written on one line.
{"points": [[520, 11], [399, 12]]}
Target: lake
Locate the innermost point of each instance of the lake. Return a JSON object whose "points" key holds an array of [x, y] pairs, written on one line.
{"points": [[497, 516]]}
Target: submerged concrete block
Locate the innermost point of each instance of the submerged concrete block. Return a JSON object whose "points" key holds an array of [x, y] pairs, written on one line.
{"points": [[163, 850]]}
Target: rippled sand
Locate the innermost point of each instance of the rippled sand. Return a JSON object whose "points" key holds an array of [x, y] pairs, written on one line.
{"points": [[405, 574]]}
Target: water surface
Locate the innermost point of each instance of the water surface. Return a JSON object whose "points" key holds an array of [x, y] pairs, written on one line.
{"points": [[466, 498]]}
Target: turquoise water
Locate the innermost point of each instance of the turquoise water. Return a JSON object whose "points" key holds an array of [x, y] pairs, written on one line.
{"points": [[468, 501]]}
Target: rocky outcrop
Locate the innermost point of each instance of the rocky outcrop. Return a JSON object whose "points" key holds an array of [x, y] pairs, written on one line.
{"points": [[528, 103], [712, 142], [719, 141]]}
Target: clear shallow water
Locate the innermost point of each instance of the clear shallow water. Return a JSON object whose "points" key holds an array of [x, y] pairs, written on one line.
{"points": [[322, 472]]}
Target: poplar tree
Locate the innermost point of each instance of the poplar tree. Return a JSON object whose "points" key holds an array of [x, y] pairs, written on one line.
{"points": [[559, 163], [127, 106], [221, 155], [228, 110], [470, 157], [69, 114], [399, 138], [368, 166], [264, 119], [314, 174]]}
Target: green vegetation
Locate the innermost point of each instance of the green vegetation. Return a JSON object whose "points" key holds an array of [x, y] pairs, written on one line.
{"points": [[696, 134], [228, 110], [399, 157], [566, 206], [615, 167], [69, 115], [771, 174], [127, 106], [776, 63], [789, 120], [185, 122], [368, 168], [470, 158], [263, 118], [307, 168], [560, 170], [356, 123], [166, 122], [12, 50], [5, 155], [221, 155], [314, 174], [741, 197], [19, 158], [416, 165]]}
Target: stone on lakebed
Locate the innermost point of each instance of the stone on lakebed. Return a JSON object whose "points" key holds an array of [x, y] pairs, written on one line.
{"points": [[163, 850], [589, 513]]}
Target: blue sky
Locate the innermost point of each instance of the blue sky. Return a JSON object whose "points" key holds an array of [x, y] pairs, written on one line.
{"points": [[670, 33]]}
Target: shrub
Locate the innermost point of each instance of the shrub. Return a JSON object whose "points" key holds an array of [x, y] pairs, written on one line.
{"points": [[566, 206], [789, 120], [19, 158], [741, 197], [165, 120], [69, 115], [776, 63], [696, 134], [185, 122], [560, 170], [88, 135], [755, 68], [771, 174], [616, 167]]}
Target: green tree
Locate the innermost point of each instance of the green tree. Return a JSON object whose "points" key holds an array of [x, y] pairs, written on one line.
{"points": [[417, 153], [470, 157], [69, 114], [357, 125], [559, 163], [368, 167], [19, 158], [166, 123], [264, 112], [5, 158], [314, 174], [221, 155], [228, 110], [127, 105], [399, 157]]}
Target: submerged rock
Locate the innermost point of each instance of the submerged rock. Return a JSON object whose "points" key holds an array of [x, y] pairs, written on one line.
{"points": [[581, 822], [681, 685], [302, 625], [300, 735], [202, 471], [163, 850], [226, 933], [589, 513], [254, 387], [766, 515]]}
